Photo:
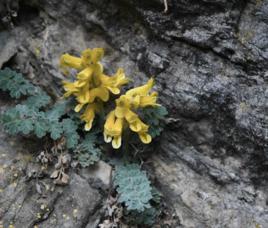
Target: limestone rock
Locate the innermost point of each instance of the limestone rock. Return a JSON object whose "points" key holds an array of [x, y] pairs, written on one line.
{"points": [[209, 59]]}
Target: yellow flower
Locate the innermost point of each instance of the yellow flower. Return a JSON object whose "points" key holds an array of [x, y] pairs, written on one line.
{"points": [[88, 58], [149, 100], [67, 60], [113, 130], [91, 86], [115, 82], [92, 56], [70, 88], [123, 115], [140, 96], [141, 90], [89, 114]]}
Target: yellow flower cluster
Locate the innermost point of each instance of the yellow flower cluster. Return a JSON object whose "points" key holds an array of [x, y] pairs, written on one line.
{"points": [[123, 115], [92, 87]]}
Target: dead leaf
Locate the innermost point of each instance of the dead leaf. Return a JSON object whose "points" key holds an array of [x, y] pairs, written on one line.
{"points": [[55, 174], [64, 178]]}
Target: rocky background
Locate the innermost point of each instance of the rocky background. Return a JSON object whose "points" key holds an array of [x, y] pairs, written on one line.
{"points": [[209, 58]]}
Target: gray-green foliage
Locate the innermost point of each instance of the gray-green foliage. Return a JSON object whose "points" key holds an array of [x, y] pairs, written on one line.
{"points": [[15, 84], [32, 116], [87, 152], [133, 187], [70, 132], [23, 119], [35, 115], [37, 101], [153, 117], [149, 215]]}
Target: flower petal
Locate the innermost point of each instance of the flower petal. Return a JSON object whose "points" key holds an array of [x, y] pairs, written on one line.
{"points": [[142, 90], [109, 123], [131, 117], [97, 54], [149, 100], [116, 143], [138, 126], [120, 111], [88, 116], [113, 90], [83, 97], [122, 106], [86, 57], [69, 87], [78, 107], [88, 125], [145, 138], [107, 138], [85, 74], [99, 92], [67, 60], [135, 126]]}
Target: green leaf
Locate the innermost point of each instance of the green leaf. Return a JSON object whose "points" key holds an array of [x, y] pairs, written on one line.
{"points": [[53, 117], [69, 131], [27, 117], [26, 126], [18, 120], [57, 111], [87, 153], [38, 101], [40, 129], [15, 84], [55, 129], [153, 116], [161, 111], [133, 187]]}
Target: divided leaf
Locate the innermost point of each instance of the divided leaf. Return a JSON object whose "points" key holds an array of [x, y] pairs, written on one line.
{"points": [[87, 153], [69, 131], [153, 117], [133, 187], [55, 129], [40, 129], [37, 101], [57, 111], [27, 117], [15, 84]]}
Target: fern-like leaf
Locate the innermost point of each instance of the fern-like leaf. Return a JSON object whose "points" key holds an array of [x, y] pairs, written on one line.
{"points": [[21, 119], [153, 116], [15, 84], [133, 187], [87, 152], [57, 111], [69, 131], [53, 116], [37, 101]]}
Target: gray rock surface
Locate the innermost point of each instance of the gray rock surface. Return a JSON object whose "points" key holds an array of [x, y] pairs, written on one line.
{"points": [[210, 63], [28, 197]]}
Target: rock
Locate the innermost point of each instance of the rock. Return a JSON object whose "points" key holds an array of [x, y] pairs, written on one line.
{"points": [[28, 200], [75, 206], [8, 46], [209, 59], [100, 171]]}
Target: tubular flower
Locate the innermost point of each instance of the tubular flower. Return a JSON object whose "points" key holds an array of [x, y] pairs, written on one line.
{"points": [[113, 130], [123, 115], [89, 114], [91, 86]]}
